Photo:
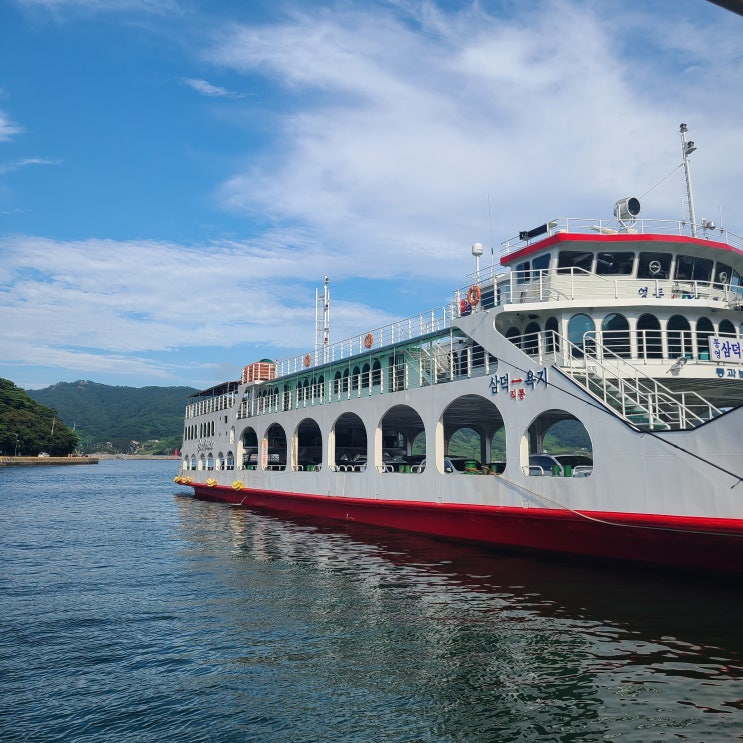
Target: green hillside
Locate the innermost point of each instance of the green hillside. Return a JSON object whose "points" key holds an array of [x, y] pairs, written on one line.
{"points": [[142, 420], [27, 428]]}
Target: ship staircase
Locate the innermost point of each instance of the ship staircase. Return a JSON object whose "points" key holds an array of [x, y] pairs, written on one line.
{"points": [[641, 400], [430, 364]]}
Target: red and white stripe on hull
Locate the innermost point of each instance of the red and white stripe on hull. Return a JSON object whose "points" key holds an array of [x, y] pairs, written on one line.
{"points": [[681, 541]]}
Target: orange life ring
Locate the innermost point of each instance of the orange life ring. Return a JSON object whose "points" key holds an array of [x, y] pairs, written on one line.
{"points": [[473, 295], [307, 360], [368, 340]]}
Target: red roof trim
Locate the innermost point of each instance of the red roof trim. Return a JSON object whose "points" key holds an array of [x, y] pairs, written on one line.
{"points": [[562, 237]]}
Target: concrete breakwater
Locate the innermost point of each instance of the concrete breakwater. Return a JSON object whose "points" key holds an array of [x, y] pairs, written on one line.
{"points": [[36, 461]]}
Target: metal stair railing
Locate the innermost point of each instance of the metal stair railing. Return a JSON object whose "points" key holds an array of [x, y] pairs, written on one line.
{"points": [[640, 399]]}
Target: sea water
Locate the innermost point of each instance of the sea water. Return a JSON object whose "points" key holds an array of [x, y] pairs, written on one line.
{"points": [[132, 612]]}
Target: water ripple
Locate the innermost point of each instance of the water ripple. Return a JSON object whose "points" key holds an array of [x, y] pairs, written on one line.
{"points": [[131, 614]]}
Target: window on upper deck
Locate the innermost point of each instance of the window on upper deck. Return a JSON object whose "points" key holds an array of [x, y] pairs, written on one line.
{"points": [[619, 263], [574, 261], [522, 272], [726, 276], [654, 266], [691, 268], [540, 263]]}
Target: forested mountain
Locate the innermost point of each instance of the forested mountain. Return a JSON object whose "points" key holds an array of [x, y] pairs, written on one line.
{"points": [[27, 428], [120, 419]]}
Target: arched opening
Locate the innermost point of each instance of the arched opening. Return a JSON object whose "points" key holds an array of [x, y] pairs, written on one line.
{"points": [[319, 388], [531, 338], [403, 438], [355, 378], [247, 449], [337, 384], [704, 330], [557, 445], [615, 334], [307, 451], [220, 461], [376, 373], [727, 328], [230, 460], [581, 332], [649, 340], [348, 444], [474, 438], [513, 334], [274, 446], [678, 333], [365, 376], [552, 339]]}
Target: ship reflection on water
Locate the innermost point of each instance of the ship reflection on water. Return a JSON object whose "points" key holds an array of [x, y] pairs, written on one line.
{"points": [[490, 643]]}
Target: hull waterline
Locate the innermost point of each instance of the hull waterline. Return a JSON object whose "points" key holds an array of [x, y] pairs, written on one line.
{"points": [[682, 542]]}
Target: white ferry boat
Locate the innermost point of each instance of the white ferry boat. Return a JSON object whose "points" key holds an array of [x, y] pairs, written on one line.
{"points": [[622, 336]]}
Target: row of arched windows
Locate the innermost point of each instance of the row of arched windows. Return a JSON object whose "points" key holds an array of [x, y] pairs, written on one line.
{"points": [[615, 333], [199, 430]]}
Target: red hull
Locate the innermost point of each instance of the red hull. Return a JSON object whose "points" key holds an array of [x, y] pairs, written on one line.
{"points": [[695, 543]]}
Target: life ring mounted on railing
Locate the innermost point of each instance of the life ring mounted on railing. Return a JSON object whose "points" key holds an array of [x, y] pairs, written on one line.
{"points": [[307, 360], [368, 340], [474, 294]]}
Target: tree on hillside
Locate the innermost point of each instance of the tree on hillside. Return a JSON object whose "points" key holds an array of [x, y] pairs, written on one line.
{"points": [[28, 428]]}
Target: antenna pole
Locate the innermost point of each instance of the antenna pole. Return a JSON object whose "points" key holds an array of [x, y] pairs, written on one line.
{"points": [[322, 326], [686, 149]]}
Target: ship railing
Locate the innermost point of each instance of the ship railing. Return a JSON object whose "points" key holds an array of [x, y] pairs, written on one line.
{"points": [[640, 399], [575, 284], [586, 225], [400, 331]]}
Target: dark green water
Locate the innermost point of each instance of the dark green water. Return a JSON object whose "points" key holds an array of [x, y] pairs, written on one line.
{"points": [[131, 613]]}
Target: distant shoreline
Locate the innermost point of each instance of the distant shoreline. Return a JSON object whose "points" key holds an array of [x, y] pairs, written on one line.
{"points": [[93, 459], [98, 455], [46, 461]]}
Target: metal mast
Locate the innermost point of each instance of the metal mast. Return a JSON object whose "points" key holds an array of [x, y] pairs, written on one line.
{"points": [[686, 149], [322, 322]]}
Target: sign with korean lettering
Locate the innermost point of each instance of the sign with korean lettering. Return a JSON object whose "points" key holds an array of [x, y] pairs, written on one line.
{"points": [[516, 386], [725, 349]]}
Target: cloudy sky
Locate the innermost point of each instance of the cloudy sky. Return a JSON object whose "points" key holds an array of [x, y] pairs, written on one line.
{"points": [[178, 176]]}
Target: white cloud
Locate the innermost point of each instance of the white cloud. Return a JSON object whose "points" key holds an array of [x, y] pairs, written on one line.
{"points": [[121, 308], [156, 7], [18, 164], [399, 130], [8, 129], [207, 89]]}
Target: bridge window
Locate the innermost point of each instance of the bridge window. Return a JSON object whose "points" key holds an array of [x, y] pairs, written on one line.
{"points": [[691, 268], [570, 260], [654, 266], [615, 263]]}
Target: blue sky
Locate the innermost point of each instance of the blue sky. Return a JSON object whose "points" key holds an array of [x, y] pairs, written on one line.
{"points": [[178, 176]]}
